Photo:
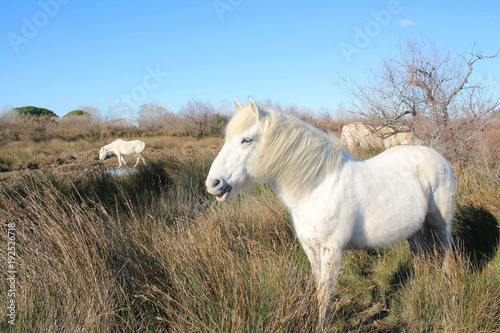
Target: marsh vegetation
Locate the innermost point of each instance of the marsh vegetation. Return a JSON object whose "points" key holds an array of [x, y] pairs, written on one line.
{"points": [[151, 251]]}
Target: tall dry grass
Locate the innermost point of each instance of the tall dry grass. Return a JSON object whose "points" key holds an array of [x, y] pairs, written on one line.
{"points": [[158, 256], [152, 252], [460, 301]]}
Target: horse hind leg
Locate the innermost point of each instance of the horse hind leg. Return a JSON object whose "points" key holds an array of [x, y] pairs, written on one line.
{"points": [[437, 234], [140, 158], [417, 243], [423, 241]]}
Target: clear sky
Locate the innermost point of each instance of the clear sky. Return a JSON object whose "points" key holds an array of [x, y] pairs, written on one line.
{"points": [[62, 54]]}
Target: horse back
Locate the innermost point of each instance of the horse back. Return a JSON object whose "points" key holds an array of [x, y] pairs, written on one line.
{"points": [[127, 147]]}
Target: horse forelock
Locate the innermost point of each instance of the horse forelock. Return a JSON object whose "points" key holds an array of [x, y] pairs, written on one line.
{"points": [[242, 121]]}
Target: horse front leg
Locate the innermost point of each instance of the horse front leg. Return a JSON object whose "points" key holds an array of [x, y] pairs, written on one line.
{"points": [[123, 160], [119, 156], [325, 263], [330, 259]]}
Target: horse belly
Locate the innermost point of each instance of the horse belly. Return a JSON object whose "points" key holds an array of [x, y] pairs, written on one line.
{"points": [[387, 212], [387, 230], [127, 149]]}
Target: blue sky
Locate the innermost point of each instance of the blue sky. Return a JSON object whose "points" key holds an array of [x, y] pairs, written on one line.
{"points": [[62, 54]]}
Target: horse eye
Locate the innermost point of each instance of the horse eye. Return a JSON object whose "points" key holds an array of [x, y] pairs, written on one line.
{"points": [[246, 141]]}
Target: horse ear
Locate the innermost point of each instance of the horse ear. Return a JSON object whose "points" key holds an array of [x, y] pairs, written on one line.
{"points": [[237, 104], [256, 110]]}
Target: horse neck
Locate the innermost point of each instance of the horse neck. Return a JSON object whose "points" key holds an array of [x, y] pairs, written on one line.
{"points": [[110, 149]]}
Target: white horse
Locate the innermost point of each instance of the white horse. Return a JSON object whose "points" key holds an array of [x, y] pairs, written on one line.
{"points": [[335, 202], [372, 137], [120, 147]]}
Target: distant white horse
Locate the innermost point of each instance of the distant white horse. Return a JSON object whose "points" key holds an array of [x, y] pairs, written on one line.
{"points": [[335, 202], [120, 147], [373, 137]]}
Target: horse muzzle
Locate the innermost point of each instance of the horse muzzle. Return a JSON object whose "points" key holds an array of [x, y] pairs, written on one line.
{"points": [[220, 188]]}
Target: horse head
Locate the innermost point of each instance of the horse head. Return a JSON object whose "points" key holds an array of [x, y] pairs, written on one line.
{"points": [[234, 168], [103, 154]]}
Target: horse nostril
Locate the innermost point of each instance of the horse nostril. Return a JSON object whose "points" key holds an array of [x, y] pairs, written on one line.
{"points": [[216, 182]]}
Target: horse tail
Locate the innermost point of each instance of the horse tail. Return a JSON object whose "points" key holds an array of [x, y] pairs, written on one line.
{"points": [[437, 179]]}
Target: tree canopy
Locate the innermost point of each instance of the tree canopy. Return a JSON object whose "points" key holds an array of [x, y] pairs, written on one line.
{"points": [[77, 113], [33, 111]]}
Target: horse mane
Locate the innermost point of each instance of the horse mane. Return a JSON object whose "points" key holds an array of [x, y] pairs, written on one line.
{"points": [[295, 154], [292, 153]]}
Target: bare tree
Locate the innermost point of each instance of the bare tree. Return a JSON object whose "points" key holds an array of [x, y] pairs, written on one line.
{"points": [[430, 91], [151, 116], [120, 111], [199, 115], [8, 112], [225, 108], [94, 112], [173, 123]]}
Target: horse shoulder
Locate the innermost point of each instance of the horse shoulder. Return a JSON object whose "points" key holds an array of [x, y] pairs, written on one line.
{"points": [[326, 216]]}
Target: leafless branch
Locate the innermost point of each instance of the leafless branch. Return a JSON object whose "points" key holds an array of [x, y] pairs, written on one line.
{"points": [[427, 87]]}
